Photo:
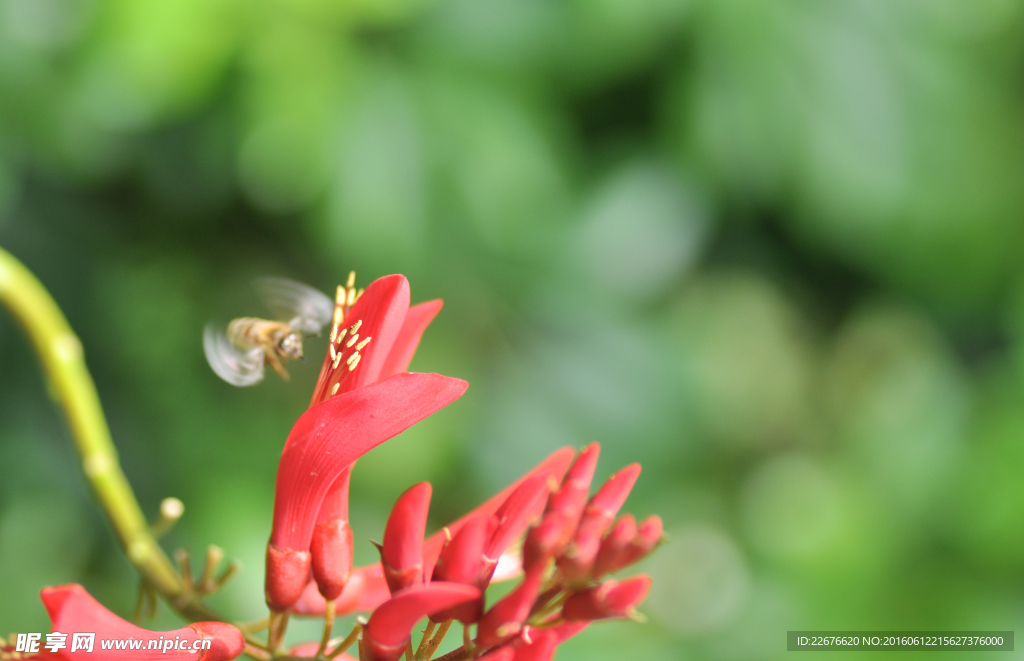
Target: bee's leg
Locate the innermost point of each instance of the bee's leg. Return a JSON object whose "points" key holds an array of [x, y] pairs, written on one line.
{"points": [[272, 360]]}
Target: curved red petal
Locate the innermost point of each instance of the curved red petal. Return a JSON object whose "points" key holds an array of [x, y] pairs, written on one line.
{"points": [[405, 345]]}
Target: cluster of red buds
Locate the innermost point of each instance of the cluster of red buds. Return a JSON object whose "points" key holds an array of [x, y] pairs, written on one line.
{"points": [[545, 527]]}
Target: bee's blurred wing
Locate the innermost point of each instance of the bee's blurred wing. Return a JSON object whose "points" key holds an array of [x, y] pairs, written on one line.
{"points": [[304, 308], [237, 367]]}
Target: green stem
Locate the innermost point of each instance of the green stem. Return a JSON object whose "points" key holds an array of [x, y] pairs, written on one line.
{"points": [[61, 354]]}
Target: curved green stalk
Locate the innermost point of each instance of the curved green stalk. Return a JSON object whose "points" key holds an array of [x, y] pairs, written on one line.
{"points": [[60, 352]]}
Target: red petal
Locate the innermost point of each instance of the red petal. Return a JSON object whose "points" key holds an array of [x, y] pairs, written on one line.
{"points": [[615, 547], [572, 495], [610, 599], [381, 310], [402, 550], [387, 633], [505, 619], [500, 654], [556, 463], [73, 610], [517, 512], [404, 348], [331, 551], [460, 562], [366, 589], [333, 434], [542, 647]]}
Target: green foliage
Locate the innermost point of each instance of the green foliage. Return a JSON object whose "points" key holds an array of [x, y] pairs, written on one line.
{"points": [[770, 250]]}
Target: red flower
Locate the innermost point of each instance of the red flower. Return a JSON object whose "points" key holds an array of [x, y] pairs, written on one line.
{"points": [[388, 632], [362, 398], [73, 611]]}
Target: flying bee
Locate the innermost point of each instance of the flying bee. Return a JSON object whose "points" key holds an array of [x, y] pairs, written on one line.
{"points": [[240, 356]]}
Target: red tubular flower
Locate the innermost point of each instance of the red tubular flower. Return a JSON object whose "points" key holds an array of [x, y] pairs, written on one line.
{"points": [[505, 619], [367, 588], [615, 547], [461, 562], [73, 610], [579, 557], [374, 334], [388, 632], [610, 599], [325, 440], [402, 551]]}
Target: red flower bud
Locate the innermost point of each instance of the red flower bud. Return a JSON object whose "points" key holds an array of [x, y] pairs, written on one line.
{"points": [[545, 539], [72, 610], [287, 573], [515, 514], [579, 557], [460, 562], [610, 599], [331, 544], [505, 619], [556, 464], [568, 501], [540, 647], [388, 632], [402, 551], [614, 548], [648, 536]]}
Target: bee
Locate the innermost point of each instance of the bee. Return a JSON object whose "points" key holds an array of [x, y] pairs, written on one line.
{"points": [[250, 344]]}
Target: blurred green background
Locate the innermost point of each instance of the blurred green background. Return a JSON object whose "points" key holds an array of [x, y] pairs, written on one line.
{"points": [[769, 250]]}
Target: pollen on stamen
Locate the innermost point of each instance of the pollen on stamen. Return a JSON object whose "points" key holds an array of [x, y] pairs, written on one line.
{"points": [[352, 340], [356, 326], [351, 297], [334, 333], [337, 360], [334, 389], [341, 335], [339, 298], [359, 347], [351, 280], [355, 362], [354, 356], [334, 354]]}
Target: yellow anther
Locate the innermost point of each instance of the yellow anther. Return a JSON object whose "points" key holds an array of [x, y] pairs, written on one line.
{"points": [[359, 347], [351, 280], [337, 359], [356, 326], [334, 354], [355, 362], [352, 340], [334, 332], [339, 297], [354, 356], [351, 297], [334, 389], [341, 335], [339, 314]]}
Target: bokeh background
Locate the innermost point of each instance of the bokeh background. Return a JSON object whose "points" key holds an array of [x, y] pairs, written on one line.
{"points": [[770, 250]]}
